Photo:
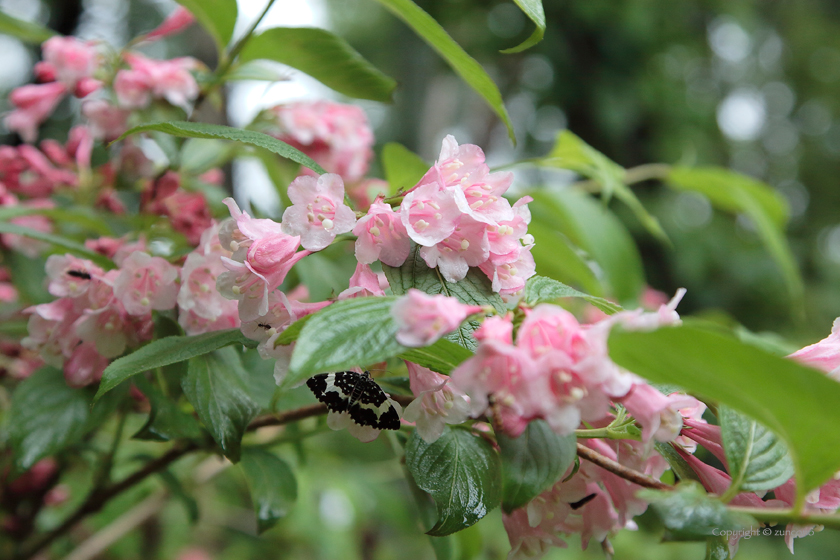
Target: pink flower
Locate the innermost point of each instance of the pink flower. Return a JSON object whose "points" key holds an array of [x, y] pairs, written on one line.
{"points": [[262, 256], [707, 435], [381, 236], [84, 366], [146, 283], [133, 89], [496, 328], [198, 287], [423, 319], [658, 414], [107, 122], [363, 283], [26, 245], [825, 354], [429, 214], [72, 60], [33, 104], [437, 402], [161, 79], [177, 21], [510, 272], [318, 212], [51, 331], [335, 135], [70, 276], [467, 246]]}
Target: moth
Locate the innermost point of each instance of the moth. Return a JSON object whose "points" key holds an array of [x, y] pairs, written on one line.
{"points": [[79, 274], [357, 394]]}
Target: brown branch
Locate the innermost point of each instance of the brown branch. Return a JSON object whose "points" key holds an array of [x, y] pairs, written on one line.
{"points": [[618, 469]]}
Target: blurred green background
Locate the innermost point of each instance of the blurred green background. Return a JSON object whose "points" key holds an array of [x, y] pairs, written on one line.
{"points": [[754, 86]]}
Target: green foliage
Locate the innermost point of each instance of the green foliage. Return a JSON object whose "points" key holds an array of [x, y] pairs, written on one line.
{"points": [[540, 289], [403, 168], [688, 513], [757, 459], [67, 244], [533, 462], [216, 386], [165, 351], [462, 63], [796, 402], [461, 471], [679, 465], [166, 421], [324, 56], [475, 289], [185, 129], [47, 416], [218, 17], [24, 30], [443, 356], [272, 484], [534, 10]]}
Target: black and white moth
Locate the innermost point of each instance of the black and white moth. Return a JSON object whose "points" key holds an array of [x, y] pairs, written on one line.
{"points": [[357, 394]]}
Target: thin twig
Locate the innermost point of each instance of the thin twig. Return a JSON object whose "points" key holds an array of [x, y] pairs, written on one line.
{"points": [[620, 470]]}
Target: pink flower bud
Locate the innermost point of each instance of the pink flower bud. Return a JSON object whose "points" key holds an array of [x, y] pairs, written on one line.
{"points": [[423, 319]]}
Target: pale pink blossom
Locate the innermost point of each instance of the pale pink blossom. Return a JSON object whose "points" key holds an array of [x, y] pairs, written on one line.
{"points": [[381, 236], [363, 283], [510, 272], [177, 21], [496, 328], [337, 136], [72, 60], [429, 214], [84, 366], [26, 171], [707, 435], [437, 402], [197, 294], [33, 104], [50, 330], [825, 354], [69, 275], [318, 212], [466, 246], [146, 283], [423, 319], [658, 414], [107, 121], [159, 79]]}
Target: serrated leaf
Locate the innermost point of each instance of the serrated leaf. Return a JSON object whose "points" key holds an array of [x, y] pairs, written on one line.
{"points": [[24, 30], [216, 386], [756, 458], [534, 10], [737, 193], [68, 244], [324, 56], [403, 168], [218, 17], [461, 471], [272, 484], [166, 421], [443, 356], [475, 289], [533, 462], [343, 335], [796, 402], [185, 129], [463, 64], [47, 416], [570, 152], [165, 351], [595, 230], [540, 289]]}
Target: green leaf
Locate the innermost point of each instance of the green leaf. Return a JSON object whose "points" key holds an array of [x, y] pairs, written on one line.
{"points": [[444, 547], [443, 356], [717, 548], [85, 217], [26, 31], [218, 17], [462, 472], [345, 334], [403, 168], [595, 230], [558, 258], [534, 10], [540, 289], [216, 386], [533, 462], [202, 154], [180, 493], [679, 465], [796, 402], [165, 351], [570, 152], [475, 289], [166, 421], [67, 244], [757, 460], [292, 332], [47, 416], [463, 64], [737, 193], [184, 129], [258, 70], [324, 56], [272, 484], [688, 513]]}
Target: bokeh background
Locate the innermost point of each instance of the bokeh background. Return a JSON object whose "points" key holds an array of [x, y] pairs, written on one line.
{"points": [[754, 86]]}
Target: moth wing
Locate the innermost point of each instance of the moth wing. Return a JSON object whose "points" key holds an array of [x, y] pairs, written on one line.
{"points": [[324, 387]]}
